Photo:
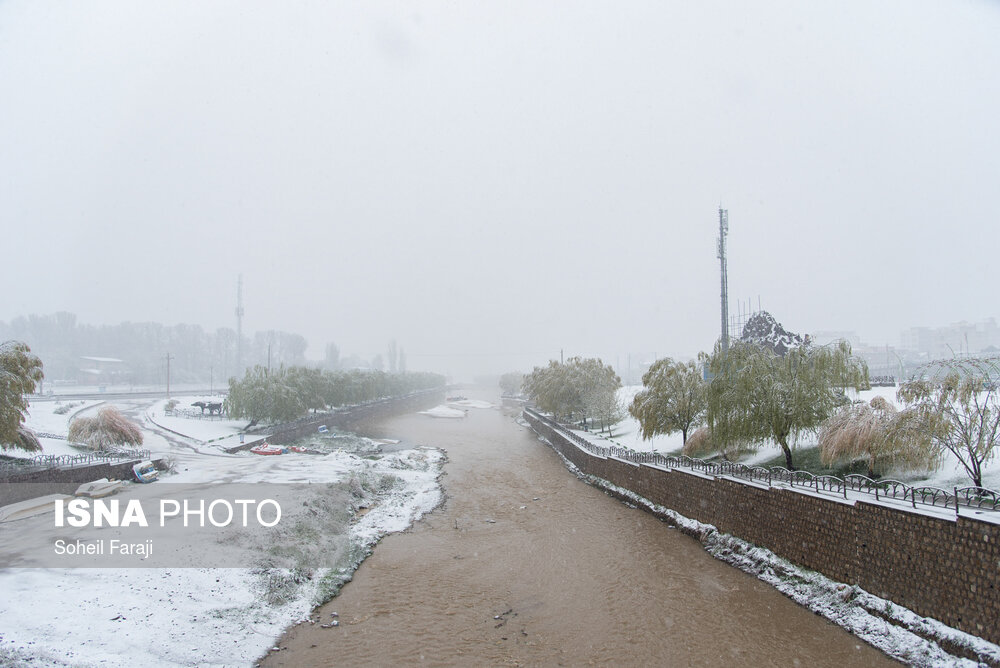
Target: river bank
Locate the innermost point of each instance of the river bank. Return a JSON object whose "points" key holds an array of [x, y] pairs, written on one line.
{"points": [[525, 564], [187, 614]]}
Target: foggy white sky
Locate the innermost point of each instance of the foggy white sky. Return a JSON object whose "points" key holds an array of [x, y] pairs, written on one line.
{"points": [[444, 173]]}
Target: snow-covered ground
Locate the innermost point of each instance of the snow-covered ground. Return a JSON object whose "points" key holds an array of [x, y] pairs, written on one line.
{"points": [[188, 420], [204, 616], [444, 412], [457, 409], [950, 474], [52, 418]]}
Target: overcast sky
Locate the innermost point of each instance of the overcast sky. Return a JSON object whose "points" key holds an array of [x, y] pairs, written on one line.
{"points": [[501, 180]]}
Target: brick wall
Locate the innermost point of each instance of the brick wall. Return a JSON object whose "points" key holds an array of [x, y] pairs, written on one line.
{"points": [[944, 568]]}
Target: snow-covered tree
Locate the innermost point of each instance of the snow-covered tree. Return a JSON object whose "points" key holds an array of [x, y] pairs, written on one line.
{"points": [[287, 393], [250, 397], [756, 394], [308, 385], [20, 372], [599, 387], [550, 389], [510, 383], [276, 396], [108, 430], [953, 406], [579, 387], [674, 399]]}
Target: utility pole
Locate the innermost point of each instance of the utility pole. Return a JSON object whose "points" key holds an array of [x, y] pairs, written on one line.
{"points": [[723, 231], [169, 357], [239, 325]]}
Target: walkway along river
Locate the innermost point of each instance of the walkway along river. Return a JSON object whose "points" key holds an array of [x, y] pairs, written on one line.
{"points": [[524, 564]]}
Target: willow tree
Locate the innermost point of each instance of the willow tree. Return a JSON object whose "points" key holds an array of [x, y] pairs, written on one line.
{"points": [[275, 395], [20, 373], [673, 399], [953, 406], [756, 395], [578, 387]]}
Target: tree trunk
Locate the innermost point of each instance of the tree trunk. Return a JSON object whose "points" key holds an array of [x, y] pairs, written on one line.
{"points": [[788, 455], [684, 436]]}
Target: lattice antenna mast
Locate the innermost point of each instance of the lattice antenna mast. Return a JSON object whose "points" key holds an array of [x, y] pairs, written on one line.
{"points": [[723, 231], [239, 325]]}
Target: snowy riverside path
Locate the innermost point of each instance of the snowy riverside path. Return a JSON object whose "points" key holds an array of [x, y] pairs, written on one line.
{"points": [[526, 564]]}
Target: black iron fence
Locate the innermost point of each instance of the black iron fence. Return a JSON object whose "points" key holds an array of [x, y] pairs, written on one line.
{"points": [[958, 497], [43, 462]]}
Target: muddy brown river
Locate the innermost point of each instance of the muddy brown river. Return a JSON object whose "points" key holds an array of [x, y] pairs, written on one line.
{"points": [[524, 564]]}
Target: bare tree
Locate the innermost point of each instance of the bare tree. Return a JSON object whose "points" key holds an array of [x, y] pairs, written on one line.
{"points": [[953, 406]]}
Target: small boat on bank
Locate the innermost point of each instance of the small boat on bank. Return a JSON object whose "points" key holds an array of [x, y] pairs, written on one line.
{"points": [[145, 472], [267, 449]]}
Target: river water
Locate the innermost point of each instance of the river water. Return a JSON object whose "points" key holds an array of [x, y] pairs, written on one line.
{"points": [[524, 564]]}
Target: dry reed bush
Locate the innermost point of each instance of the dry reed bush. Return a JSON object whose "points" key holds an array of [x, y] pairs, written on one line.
{"points": [[108, 430], [875, 433]]}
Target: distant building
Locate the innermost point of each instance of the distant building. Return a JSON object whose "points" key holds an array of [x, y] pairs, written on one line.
{"points": [[961, 338], [102, 370]]}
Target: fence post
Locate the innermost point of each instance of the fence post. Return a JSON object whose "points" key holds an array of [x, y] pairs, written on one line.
{"points": [[955, 489]]}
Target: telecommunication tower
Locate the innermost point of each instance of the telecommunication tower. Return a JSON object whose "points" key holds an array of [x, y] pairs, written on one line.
{"points": [[239, 325], [723, 231]]}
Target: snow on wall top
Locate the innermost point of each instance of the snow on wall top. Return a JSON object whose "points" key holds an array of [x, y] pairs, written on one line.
{"points": [[764, 330]]}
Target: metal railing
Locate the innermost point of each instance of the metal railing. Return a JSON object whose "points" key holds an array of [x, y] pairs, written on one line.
{"points": [[958, 497], [44, 462]]}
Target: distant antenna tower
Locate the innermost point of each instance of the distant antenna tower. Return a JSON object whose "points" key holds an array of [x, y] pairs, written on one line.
{"points": [[239, 326], [723, 231]]}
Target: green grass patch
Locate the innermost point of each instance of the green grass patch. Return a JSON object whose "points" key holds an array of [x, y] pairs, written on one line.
{"points": [[808, 459]]}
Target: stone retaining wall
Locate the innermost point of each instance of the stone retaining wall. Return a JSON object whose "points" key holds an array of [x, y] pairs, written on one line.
{"points": [[944, 567], [65, 480]]}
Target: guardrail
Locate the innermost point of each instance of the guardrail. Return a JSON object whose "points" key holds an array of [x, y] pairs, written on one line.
{"points": [[979, 498], [43, 462]]}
